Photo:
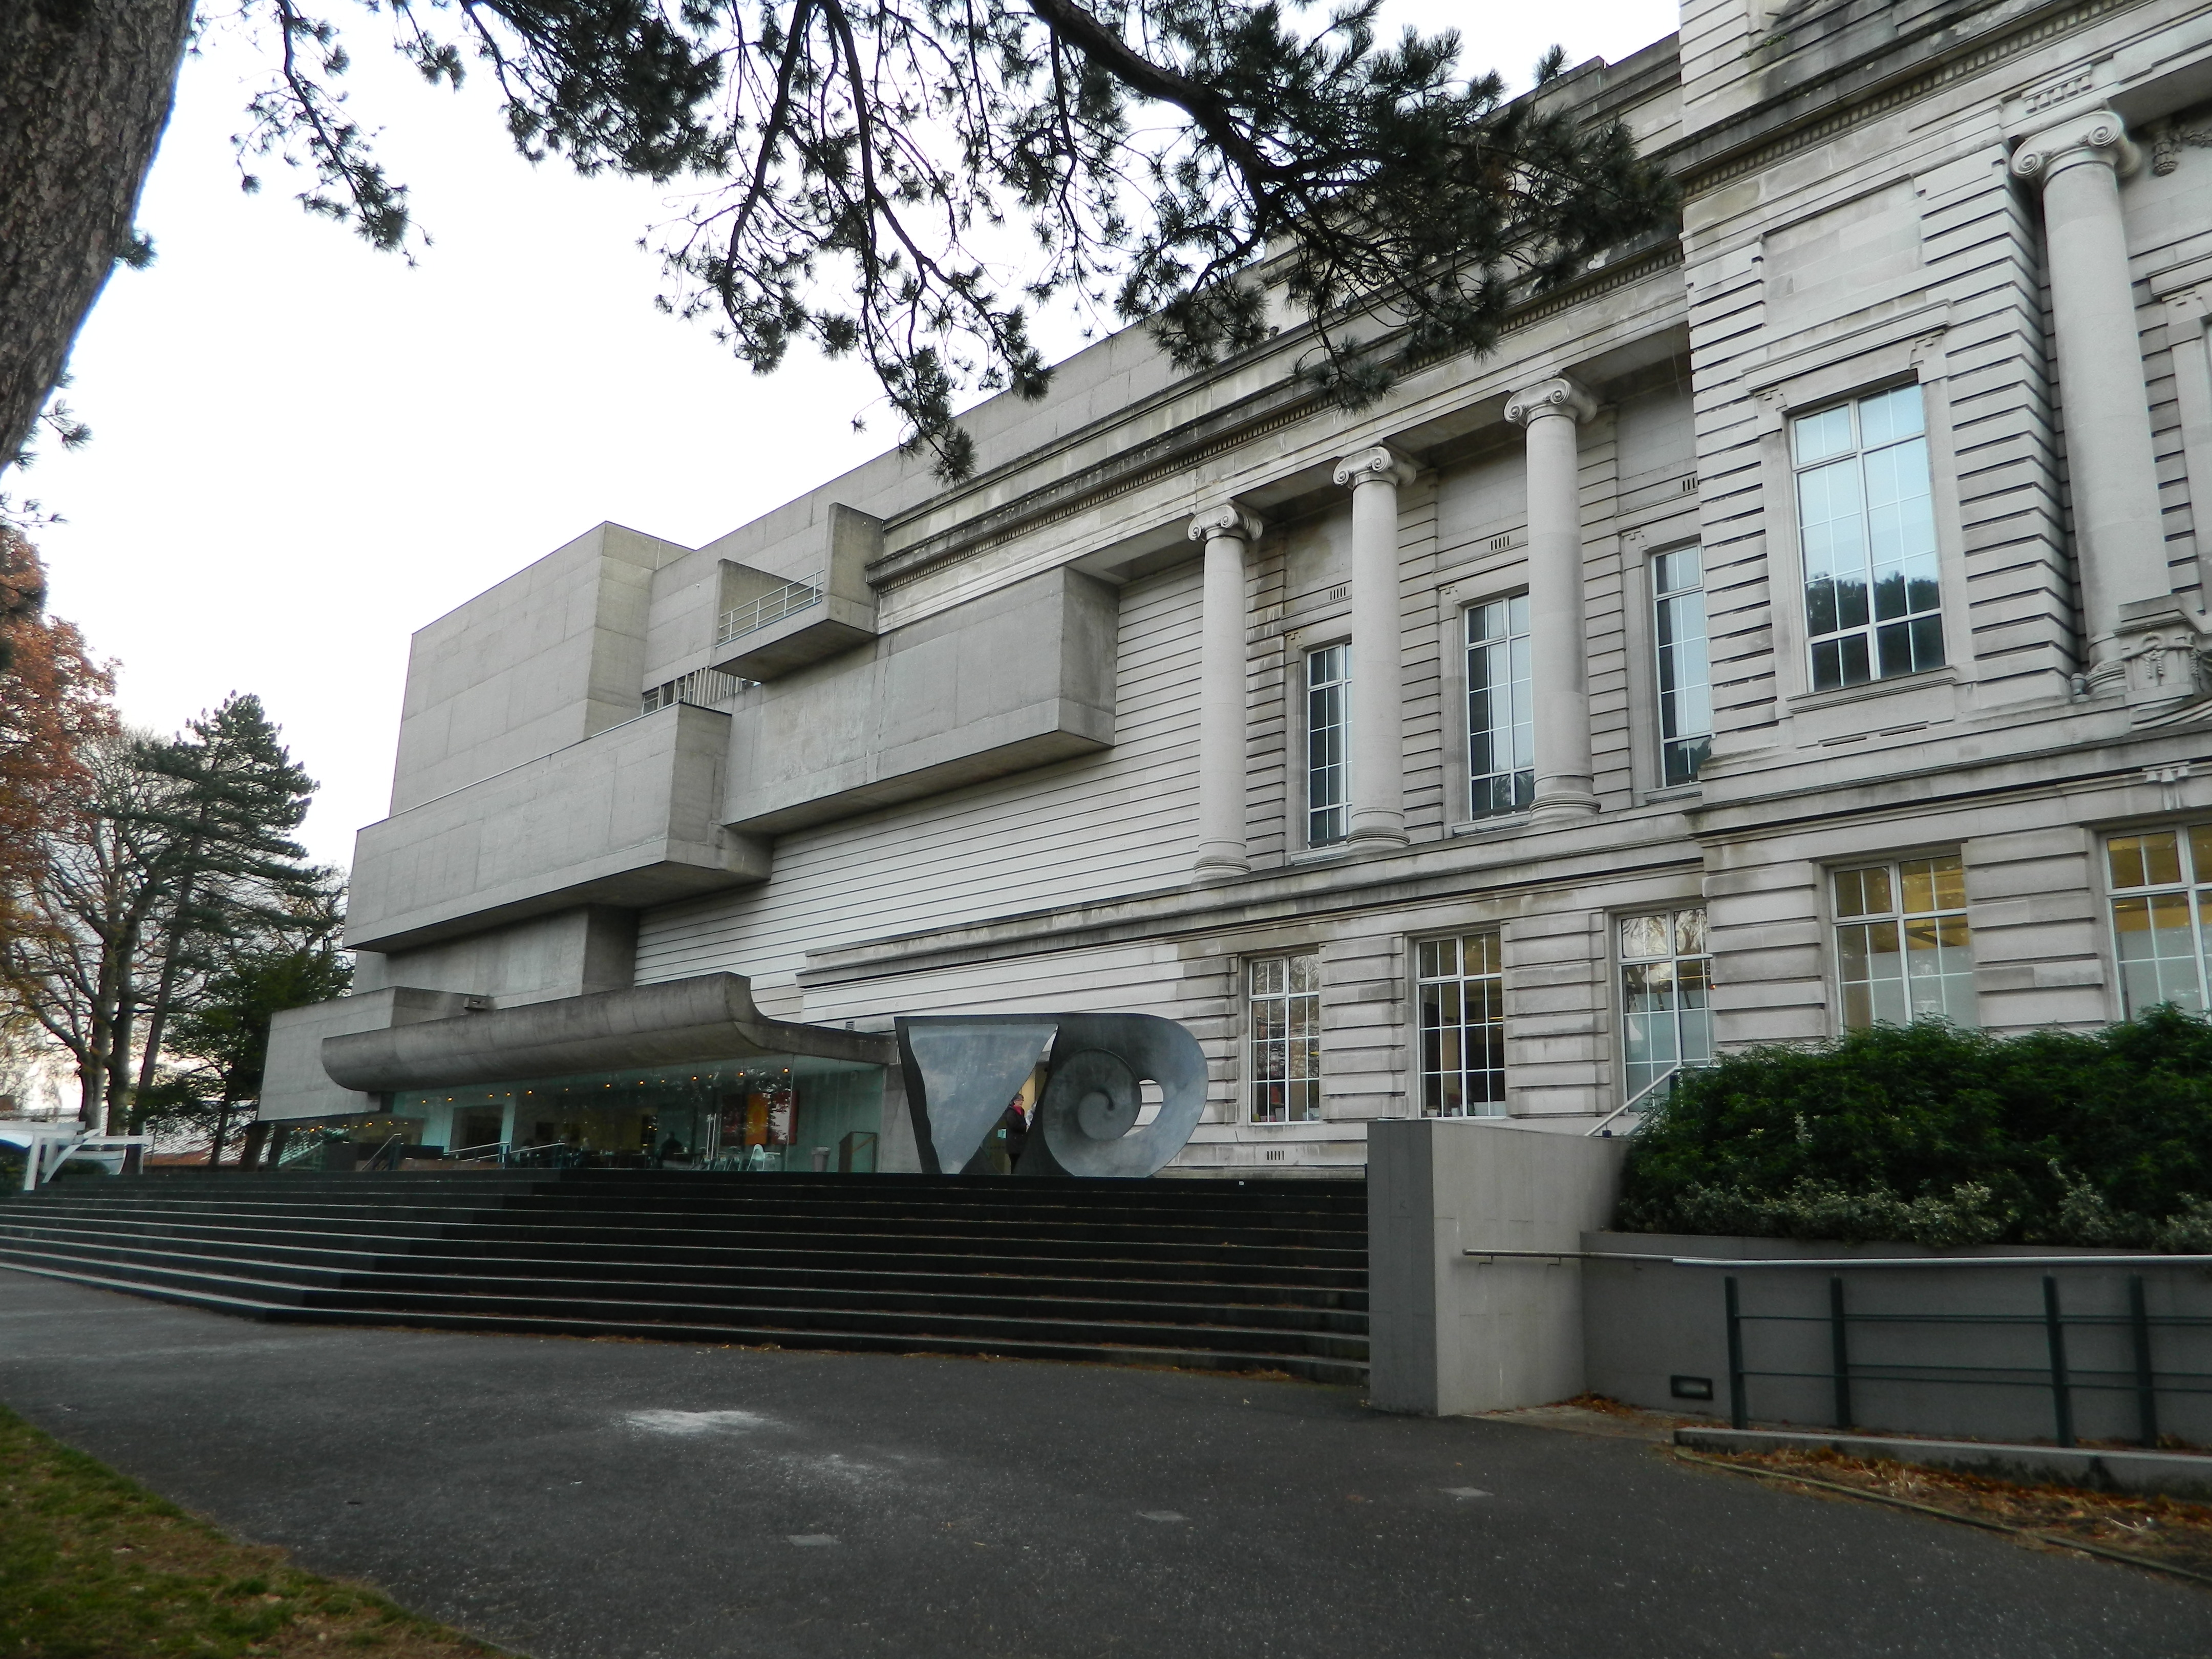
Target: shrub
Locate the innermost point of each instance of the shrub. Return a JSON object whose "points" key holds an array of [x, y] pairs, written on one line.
{"points": [[1941, 1136]]}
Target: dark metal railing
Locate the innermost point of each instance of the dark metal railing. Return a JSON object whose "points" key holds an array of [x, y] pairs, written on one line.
{"points": [[2062, 1379]]}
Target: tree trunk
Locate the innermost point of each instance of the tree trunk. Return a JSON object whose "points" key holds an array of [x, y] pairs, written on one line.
{"points": [[249, 1150], [157, 1015], [221, 1130], [85, 90]]}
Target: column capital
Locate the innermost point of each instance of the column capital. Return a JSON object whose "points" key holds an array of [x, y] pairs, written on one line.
{"points": [[1556, 396], [2096, 134], [1226, 520], [1377, 464]]}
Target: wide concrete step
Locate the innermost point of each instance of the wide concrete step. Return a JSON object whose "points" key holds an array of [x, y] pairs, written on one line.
{"points": [[471, 1242], [891, 1291], [794, 1271], [1342, 1372], [677, 1215], [1255, 1246], [1334, 1203], [1224, 1277], [787, 1327]]}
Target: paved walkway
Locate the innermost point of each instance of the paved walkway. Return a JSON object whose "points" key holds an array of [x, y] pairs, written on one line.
{"points": [[617, 1500]]}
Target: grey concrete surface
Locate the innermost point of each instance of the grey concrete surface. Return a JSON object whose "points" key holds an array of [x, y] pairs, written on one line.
{"points": [[603, 1500]]}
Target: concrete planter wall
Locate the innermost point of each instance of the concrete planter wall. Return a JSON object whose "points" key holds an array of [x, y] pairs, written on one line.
{"points": [[1455, 1333], [1646, 1323]]}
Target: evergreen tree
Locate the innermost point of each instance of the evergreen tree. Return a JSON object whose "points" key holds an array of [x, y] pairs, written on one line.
{"points": [[905, 179], [229, 865], [224, 1030]]}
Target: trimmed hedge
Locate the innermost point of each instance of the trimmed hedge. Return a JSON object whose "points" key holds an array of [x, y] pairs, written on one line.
{"points": [[1942, 1136]]}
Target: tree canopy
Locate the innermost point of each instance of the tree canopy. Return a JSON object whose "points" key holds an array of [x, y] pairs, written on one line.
{"points": [[909, 180]]}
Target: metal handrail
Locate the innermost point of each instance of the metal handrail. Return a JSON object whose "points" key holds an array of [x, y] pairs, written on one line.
{"points": [[481, 1154], [772, 606], [1856, 1260]]}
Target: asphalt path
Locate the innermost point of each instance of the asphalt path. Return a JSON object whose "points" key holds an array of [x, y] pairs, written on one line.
{"points": [[628, 1500]]}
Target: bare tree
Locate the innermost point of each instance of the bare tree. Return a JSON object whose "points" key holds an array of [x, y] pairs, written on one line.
{"points": [[79, 961]]}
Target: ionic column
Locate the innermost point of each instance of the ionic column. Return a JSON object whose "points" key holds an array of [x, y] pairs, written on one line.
{"points": [[1225, 531], [1550, 410], [2118, 541], [1378, 768]]}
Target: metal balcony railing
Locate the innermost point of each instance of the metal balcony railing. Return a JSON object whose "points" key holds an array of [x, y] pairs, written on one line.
{"points": [[772, 606]]}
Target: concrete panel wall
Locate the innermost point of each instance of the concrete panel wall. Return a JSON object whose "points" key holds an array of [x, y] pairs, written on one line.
{"points": [[1647, 1322], [1454, 1334], [625, 819], [1451, 1335], [294, 1085], [1016, 678], [550, 656], [567, 954]]}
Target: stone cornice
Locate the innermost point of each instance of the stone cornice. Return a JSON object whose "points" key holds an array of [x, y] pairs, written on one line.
{"points": [[1441, 870], [1218, 432], [1429, 872], [1874, 85]]}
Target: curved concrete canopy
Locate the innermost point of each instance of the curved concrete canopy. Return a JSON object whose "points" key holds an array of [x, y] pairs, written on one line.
{"points": [[708, 1016]]}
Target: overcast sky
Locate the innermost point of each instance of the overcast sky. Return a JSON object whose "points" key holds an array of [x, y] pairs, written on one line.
{"points": [[304, 450]]}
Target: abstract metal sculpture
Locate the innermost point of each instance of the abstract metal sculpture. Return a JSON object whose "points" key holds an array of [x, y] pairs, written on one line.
{"points": [[961, 1071]]}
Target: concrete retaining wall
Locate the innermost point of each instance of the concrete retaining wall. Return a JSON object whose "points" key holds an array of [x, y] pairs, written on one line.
{"points": [[1455, 1334], [1647, 1322], [1446, 1338]]}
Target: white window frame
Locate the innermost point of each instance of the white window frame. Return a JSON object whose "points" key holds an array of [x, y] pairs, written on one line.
{"points": [[1312, 810], [1477, 810], [1691, 1038], [1907, 346], [1656, 599], [1900, 915], [1837, 442], [1258, 1069], [2189, 891], [1430, 1102]]}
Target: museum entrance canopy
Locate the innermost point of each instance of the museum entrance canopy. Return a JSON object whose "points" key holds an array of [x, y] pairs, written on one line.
{"points": [[710, 1016], [685, 1074], [772, 1112]]}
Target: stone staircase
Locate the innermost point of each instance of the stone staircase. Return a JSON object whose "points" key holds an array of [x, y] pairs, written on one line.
{"points": [[1212, 1276]]}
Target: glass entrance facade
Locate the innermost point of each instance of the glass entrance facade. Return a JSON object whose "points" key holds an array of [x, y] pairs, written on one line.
{"points": [[767, 1113]]}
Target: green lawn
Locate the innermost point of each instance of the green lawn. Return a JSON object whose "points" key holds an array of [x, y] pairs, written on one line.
{"points": [[94, 1566]]}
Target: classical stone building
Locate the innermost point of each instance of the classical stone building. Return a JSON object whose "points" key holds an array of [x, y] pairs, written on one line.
{"points": [[1788, 627]]}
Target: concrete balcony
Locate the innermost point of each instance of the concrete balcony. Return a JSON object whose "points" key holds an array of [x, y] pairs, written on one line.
{"points": [[767, 626], [626, 817], [1018, 678]]}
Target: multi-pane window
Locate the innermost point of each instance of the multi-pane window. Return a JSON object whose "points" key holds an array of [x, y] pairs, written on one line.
{"points": [[1666, 1003], [1871, 600], [1328, 672], [1501, 739], [1902, 951], [1462, 997], [1285, 1014], [1686, 697], [2162, 916]]}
